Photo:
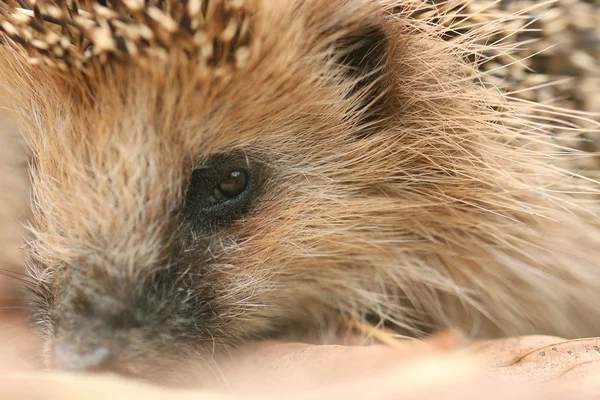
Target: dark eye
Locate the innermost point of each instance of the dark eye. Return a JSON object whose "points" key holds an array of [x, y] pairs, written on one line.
{"points": [[231, 187], [219, 191]]}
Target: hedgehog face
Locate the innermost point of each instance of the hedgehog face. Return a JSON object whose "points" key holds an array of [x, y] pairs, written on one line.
{"points": [[179, 188], [207, 174]]}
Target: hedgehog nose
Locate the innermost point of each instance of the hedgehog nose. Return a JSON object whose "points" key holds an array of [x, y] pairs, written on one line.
{"points": [[73, 359]]}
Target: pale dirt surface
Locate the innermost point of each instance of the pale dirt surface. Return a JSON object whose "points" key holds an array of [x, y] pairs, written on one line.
{"points": [[441, 369]]}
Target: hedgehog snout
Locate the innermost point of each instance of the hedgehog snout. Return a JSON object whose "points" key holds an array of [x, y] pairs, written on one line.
{"points": [[82, 358]]}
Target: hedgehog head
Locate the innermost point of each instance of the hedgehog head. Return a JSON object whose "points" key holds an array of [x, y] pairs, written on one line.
{"points": [[211, 172]]}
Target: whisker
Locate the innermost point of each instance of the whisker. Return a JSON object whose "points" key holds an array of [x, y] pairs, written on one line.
{"points": [[14, 272], [29, 281]]}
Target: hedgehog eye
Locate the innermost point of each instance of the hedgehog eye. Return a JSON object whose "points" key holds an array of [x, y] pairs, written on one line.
{"points": [[231, 187], [222, 190]]}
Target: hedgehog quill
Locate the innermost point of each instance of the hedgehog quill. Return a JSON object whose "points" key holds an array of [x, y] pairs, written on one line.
{"points": [[208, 173]]}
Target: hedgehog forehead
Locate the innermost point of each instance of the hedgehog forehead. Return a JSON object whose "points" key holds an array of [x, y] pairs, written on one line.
{"points": [[107, 83], [69, 36]]}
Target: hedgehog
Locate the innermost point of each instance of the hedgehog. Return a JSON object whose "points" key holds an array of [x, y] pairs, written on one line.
{"points": [[208, 173]]}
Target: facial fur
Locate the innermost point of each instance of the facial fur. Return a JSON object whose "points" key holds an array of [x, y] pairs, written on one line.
{"points": [[383, 181]]}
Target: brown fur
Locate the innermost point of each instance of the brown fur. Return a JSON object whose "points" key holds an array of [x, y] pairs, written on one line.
{"points": [[408, 194]]}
